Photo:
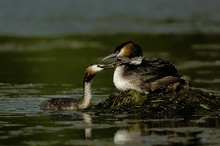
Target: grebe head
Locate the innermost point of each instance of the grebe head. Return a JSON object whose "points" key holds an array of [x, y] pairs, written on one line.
{"points": [[91, 71], [127, 49]]}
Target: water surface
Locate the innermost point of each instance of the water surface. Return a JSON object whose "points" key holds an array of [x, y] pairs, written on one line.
{"points": [[34, 69], [55, 17]]}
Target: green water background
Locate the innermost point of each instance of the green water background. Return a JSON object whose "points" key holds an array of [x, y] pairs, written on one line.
{"points": [[46, 45]]}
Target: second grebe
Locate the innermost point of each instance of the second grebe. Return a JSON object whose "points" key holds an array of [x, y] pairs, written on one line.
{"points": [[71, 103], [139, 72]]}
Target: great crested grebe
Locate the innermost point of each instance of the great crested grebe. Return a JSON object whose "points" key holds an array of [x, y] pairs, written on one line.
{"points": [[140, 74], [71, 103]]}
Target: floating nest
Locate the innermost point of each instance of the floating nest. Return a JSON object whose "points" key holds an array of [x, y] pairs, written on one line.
{"points": [[159, 105]]}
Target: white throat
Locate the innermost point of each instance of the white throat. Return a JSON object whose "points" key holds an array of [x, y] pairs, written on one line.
{"points": [[124, 83], [87, 95]]}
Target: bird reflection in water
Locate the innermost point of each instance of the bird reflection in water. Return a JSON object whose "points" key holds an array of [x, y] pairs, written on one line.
{"points": [[88, 123]]}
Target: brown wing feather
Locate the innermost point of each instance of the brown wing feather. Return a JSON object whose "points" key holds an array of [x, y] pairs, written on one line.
{"points": [[152, 69]]}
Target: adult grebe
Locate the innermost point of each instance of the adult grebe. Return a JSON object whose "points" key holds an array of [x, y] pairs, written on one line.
{"points": [[138, 72], [71, 103]]}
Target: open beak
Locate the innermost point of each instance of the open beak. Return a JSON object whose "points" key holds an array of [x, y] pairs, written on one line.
{"points": [[110, 56], [105, 66]]}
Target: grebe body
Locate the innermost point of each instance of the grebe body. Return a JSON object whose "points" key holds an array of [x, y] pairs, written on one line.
{"points": [[71, 103], [138, 73]]}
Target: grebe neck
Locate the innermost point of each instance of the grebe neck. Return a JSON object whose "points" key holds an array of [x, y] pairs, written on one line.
{"points": [[87, 95]]}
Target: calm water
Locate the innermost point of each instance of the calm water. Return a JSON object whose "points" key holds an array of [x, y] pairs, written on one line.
{"points": [[40, 17], [36, 69]]}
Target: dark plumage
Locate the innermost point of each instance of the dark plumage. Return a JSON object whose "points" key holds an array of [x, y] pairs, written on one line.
{"points": [[151, 69]]}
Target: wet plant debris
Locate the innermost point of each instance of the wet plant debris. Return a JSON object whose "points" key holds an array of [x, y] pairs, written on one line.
{"points": [[185, 103]]}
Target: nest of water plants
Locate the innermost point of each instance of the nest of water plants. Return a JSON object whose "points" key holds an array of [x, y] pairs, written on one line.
{"points": [[185, 103]]}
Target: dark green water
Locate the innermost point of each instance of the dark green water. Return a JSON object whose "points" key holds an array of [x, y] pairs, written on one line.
{"points": [[35, 69]]}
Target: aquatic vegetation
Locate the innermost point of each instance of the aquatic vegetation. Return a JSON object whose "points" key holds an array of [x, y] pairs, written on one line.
{"points": [[185, 103]]}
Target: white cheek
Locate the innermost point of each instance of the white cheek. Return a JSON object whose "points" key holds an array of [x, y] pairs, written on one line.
{"points": [[95, 68]]}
